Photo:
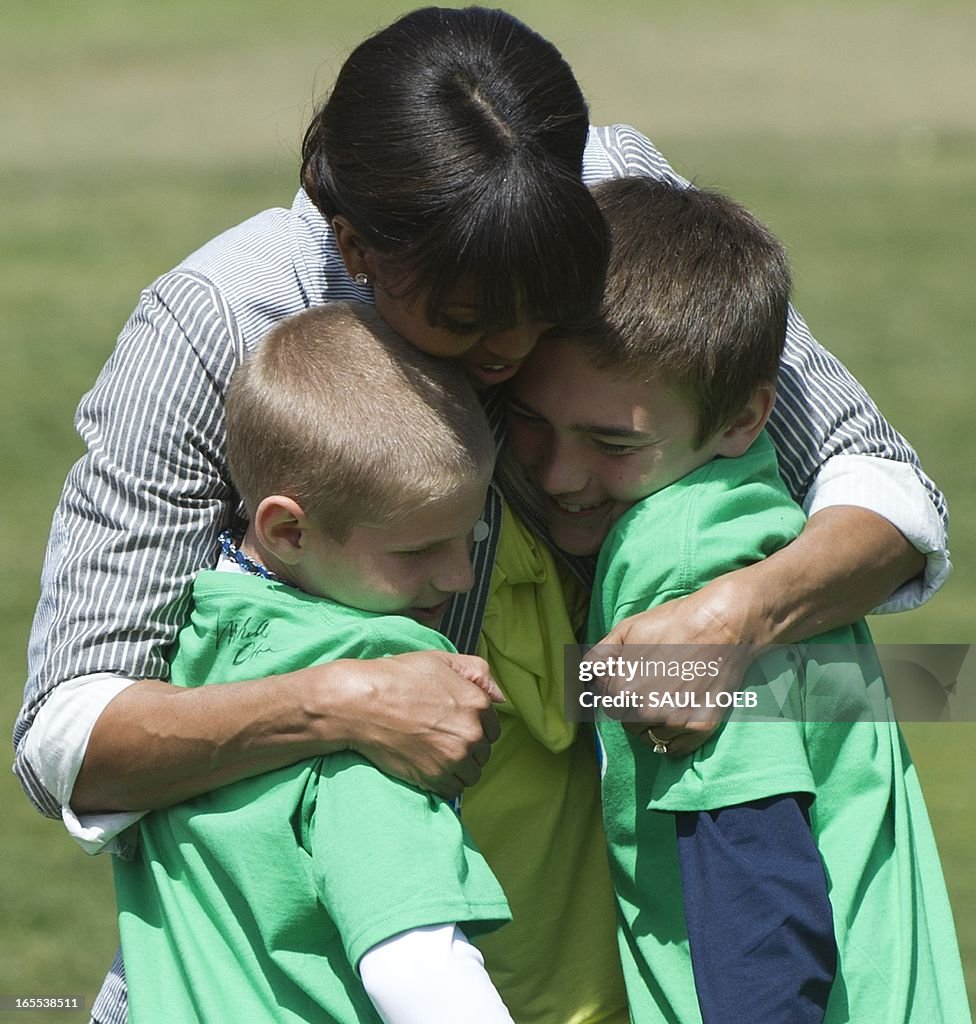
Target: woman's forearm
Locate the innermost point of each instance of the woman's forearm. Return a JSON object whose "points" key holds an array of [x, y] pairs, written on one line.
{"points": [[424, 717], [846, 561], [157, 744]]}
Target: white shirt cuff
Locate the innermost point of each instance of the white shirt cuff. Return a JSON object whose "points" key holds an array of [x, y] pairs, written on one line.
{"points": [[894, 491], [56, 746]]}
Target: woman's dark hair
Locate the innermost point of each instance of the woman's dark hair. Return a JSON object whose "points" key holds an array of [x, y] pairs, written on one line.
{"points": [[453, 142]]}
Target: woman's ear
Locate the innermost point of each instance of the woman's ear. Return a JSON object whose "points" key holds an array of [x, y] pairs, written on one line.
{"points": [[280, 524], [743, 430], [353, 249]]}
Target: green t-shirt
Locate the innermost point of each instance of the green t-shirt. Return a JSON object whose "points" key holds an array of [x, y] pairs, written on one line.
{"points": [[898, 954], [255, 902]]}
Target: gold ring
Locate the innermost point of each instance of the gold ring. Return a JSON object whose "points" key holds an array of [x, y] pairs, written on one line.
{"points": [[660, 746]]}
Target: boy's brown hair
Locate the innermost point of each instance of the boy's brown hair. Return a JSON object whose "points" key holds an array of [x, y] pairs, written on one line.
{"points": [[697, 293]]}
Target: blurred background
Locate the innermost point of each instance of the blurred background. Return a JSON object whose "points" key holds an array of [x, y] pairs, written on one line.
{"points": [[131, 134]]}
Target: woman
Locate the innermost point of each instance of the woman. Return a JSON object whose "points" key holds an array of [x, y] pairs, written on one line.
{"points": [[442, 179]]}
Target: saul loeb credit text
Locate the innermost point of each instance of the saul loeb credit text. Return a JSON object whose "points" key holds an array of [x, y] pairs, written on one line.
{"points": [[800, 682], [613, 676], [588, 700], [628, 683]]}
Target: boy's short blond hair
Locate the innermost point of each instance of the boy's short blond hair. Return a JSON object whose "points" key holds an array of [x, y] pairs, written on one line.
{"points": [[338, 412]]}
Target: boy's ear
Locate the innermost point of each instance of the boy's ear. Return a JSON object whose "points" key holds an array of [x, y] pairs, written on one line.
{"points": [[743, 430], [280, 524], [355, 253]]}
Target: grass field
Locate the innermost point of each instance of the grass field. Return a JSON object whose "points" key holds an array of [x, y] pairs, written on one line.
{"points": [[133, 133]]}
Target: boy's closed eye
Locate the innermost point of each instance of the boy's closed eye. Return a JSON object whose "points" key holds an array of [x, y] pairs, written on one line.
{"points": [[529, 418], [612, 448], [415, 552]]}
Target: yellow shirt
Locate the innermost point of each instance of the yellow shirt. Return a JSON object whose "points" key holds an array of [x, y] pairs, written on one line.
{"points": [[536, 813]]}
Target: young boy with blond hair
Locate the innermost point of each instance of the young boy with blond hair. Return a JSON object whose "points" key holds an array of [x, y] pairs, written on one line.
{"points": [[324, 891], [785, 871]]}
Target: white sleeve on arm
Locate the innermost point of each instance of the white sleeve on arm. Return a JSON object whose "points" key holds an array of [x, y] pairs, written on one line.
{"points": [[891, 489], [431, 975], [55, 748]]}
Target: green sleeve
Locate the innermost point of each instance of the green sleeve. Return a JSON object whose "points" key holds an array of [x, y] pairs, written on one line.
{"points": [[726, 515], [399, 859], [753, 755]]}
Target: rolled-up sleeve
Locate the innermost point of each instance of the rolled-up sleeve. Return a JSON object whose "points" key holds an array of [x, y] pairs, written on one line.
{"points": [[138, 517]]}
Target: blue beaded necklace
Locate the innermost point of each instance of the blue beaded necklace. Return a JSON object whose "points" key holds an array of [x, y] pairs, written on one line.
{"points": [[230, 542]]}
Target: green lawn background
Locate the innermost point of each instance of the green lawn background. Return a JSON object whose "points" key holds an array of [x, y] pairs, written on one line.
{"points": [[133, 133]]}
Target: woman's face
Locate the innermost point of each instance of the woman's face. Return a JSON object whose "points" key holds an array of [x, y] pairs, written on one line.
{"points": [[489, 356]]}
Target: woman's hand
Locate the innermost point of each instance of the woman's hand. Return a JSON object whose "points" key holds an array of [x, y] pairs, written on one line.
{"points": [[425, 717], [710, 627]]}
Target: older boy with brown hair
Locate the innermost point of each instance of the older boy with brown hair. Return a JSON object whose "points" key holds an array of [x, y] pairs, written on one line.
{"points": [[785, 871]]}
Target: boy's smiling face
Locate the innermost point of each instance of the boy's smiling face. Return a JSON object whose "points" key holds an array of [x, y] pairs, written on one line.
{"points": [[596, 442]]}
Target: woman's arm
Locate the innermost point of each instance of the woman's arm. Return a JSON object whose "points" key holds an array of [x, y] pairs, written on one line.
{"points": [[425, 717], [844, 563], [140, 512]]}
